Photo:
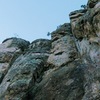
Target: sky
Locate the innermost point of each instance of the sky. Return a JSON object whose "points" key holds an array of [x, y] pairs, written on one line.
{"points": [[33, 19]]}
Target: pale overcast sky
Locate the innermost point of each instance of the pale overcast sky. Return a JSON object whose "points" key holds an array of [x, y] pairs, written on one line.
{"points": [[33, 19]]}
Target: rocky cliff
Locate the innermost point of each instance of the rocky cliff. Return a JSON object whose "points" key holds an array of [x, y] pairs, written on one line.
{"points": [[67, 67]]}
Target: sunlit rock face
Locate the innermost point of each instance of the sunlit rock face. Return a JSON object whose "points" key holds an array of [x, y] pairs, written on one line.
{"points": [[75, 16], [63, 47], [86, 31], [67, 67]]}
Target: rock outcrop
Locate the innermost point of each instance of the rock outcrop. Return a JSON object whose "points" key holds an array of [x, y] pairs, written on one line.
{"points": [[67, 67], [10, 49]]}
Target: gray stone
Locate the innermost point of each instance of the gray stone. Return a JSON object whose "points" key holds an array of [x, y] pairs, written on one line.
{"points": [[67, 67], [24, 72]]}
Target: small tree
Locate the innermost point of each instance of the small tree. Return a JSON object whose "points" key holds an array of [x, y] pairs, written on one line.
{"points": [[83, 6], [48, 34]]}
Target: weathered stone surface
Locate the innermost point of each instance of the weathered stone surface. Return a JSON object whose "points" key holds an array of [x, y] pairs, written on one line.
{"points": [[17, 42], [40, 45], [63, 49], [9, 50], [92, 3], [75, 16], [86, 31], [65, 83], [85, 84], [67, 67], [87, 25], [25, 71], [61, 31]]}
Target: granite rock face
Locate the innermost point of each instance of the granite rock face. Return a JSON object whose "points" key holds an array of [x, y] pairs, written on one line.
{"points": [[67, 67], [10, 49], [62, 44], [25, 71]]}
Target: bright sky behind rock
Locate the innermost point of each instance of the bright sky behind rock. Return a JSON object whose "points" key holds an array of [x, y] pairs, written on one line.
{"points": [[33, 19]]}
